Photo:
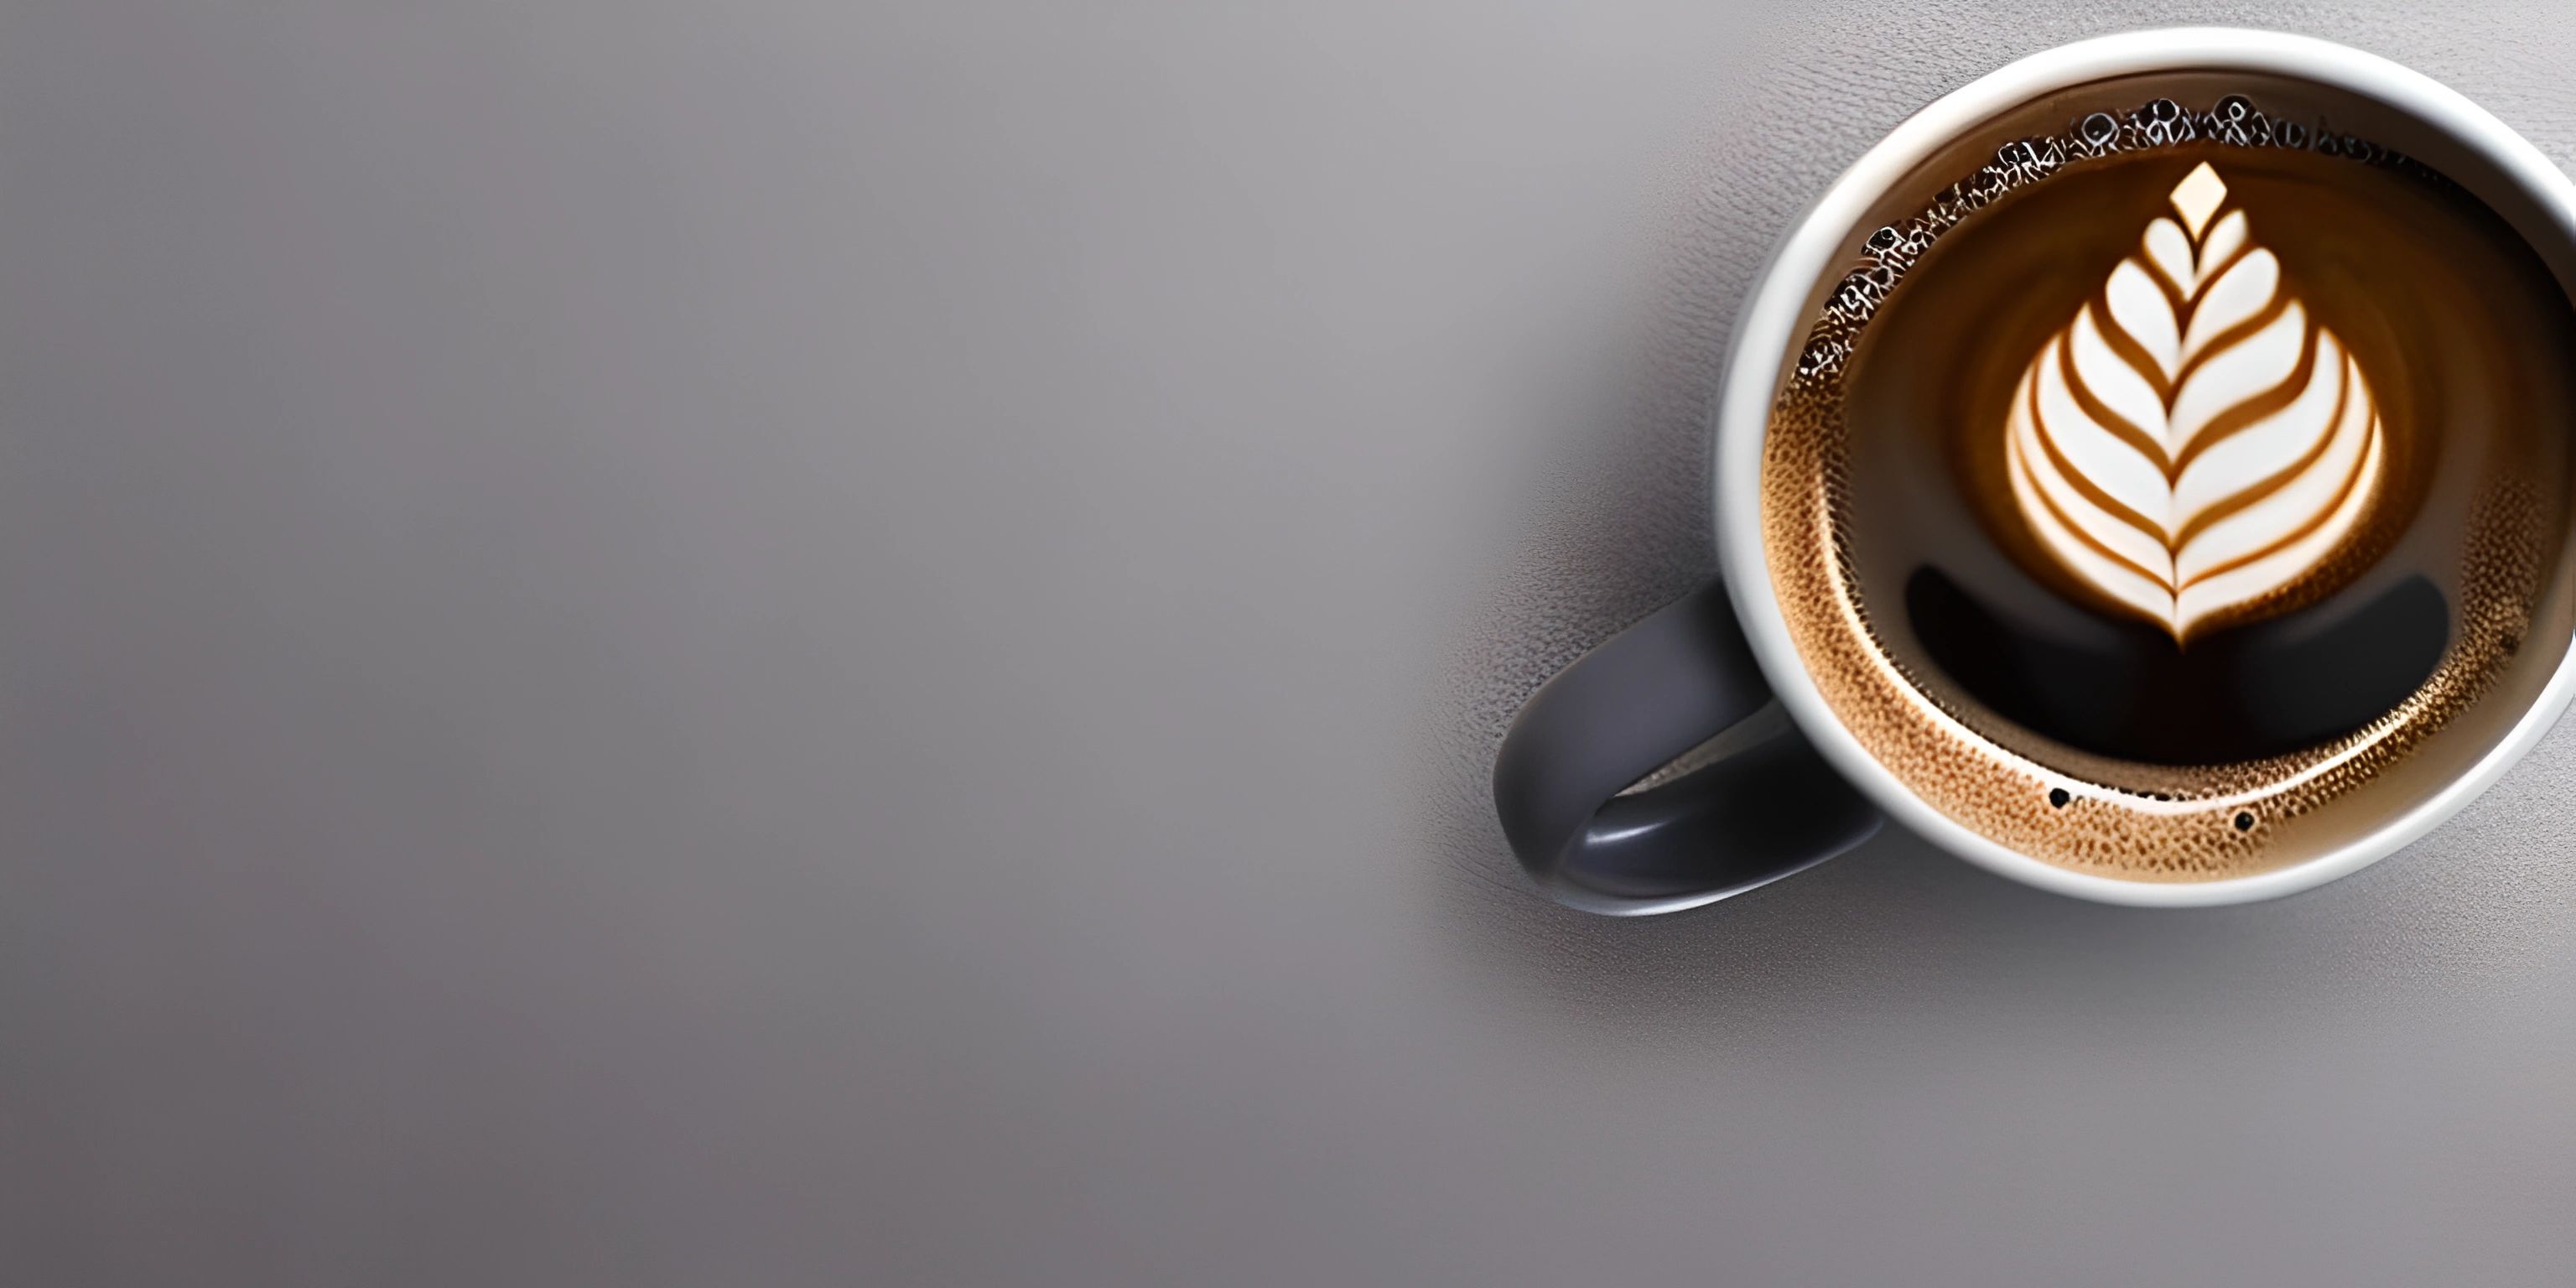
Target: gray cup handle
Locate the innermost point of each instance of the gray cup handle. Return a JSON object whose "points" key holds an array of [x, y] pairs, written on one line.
{"points": [[1566, 782]]}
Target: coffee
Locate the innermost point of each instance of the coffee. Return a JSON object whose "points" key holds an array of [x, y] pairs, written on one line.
{"points": [[2171, 496]]}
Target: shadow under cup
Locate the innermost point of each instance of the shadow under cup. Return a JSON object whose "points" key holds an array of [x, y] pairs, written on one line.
{"points": [[2002, 688]]}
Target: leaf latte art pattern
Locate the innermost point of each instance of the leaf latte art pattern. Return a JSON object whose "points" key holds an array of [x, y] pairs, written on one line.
{"points": [[2193, 440]]}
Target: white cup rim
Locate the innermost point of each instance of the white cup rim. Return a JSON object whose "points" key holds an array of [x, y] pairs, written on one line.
{"points": [[1777, 317]]}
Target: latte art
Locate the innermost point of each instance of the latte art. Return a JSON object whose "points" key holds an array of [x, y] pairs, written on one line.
{"points": [[2193, 441]]}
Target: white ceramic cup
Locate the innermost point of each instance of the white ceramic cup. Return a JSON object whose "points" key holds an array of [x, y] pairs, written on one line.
{"points": [[1560, 777]]}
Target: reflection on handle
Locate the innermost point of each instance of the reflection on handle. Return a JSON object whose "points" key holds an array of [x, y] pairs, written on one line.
{"points": [[1762, 806]]}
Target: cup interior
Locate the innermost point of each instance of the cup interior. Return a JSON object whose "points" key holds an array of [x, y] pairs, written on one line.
{"points": [[2291, 78]]}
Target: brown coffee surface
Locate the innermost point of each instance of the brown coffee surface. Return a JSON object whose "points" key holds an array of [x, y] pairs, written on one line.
{"points": [[2018, 698]]}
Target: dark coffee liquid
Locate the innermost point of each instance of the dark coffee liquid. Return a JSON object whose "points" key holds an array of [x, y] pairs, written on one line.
{"points": [[2464, 335], [2027, 639]]}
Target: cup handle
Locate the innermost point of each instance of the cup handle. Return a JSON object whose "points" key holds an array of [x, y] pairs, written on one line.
{"points": [[1570, 781]]}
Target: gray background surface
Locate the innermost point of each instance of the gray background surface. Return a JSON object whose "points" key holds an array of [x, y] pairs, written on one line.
{"points": [[790, 643]]}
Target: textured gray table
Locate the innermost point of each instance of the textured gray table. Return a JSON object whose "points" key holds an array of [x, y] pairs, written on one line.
{"points": [[771, 643]]}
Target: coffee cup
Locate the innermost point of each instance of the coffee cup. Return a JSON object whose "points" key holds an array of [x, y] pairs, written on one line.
{"points": [[2146, 474]]}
